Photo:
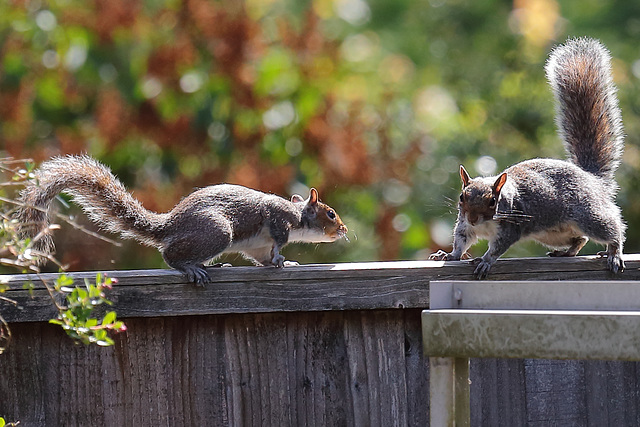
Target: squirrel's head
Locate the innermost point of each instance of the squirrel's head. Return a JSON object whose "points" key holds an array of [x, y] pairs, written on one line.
{"points": [[479, 199], [320, 222]]}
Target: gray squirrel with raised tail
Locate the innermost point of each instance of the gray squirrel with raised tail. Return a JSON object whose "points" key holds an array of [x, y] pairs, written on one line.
{"points": [[209, 221], [561, 204]]}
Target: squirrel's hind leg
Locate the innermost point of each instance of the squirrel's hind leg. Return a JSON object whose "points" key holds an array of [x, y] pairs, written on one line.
{"points": [[614, 258], [267, 256], [576, 244], [259, 256], [610, 230], [188, 254]]}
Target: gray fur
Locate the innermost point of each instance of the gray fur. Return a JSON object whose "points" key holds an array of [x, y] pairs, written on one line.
{"points": [[558, 203], [209, 221], [587, 112]]}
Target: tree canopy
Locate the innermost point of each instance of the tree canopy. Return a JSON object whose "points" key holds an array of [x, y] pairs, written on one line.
{"points": [[373, 102]]}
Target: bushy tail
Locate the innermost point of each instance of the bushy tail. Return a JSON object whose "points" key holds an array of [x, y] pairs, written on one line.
{"points": [[587, 112], [92, 186]]}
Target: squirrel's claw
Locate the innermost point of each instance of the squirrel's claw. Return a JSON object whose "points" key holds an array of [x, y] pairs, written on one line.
{"points": [[439, 256], [482, 270], [278, 260], [614, 262], [197, 274]]}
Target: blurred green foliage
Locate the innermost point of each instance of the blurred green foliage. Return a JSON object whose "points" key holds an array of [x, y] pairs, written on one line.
{"points": [[375, 103]]}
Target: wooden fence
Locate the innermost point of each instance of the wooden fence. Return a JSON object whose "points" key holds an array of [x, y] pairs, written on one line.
{"points": [[311, 345]]}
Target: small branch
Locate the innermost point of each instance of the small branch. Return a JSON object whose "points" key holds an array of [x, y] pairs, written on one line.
{"points": [[15, 263], [50, 290], [64, 218], [77, 226], [5, 335], [9, 300]]}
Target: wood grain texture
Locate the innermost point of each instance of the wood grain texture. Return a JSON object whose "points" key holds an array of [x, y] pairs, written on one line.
{"points": [[498, 396], [356, 286], [266, 369], [309, 345]]}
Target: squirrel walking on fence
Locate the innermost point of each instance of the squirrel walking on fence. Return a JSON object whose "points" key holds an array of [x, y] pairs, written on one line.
{"points": [[209, 221], [561, 204]]}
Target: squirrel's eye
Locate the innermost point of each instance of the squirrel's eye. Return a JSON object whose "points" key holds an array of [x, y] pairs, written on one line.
{"points": [[462, 197], [492, 202], [331, 214]]}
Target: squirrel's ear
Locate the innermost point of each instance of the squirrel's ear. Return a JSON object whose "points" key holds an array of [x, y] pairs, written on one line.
{"points": [[296, 198], [464, 176], [497, 186], [313, 196]]}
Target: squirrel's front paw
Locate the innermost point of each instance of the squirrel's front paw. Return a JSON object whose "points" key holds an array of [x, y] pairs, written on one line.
{"points": [[482, 270], [278, 260], [440, 256]]}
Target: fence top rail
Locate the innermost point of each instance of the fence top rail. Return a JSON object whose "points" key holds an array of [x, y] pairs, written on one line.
{"points": [[347, 286], [536, 295], [594, 335]]}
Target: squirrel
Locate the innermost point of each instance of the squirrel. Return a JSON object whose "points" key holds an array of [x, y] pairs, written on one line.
{"points": [[559, 203], [211, 220]]}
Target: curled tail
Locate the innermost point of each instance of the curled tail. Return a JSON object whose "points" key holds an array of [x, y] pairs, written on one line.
{"points": [[100, 194], [587, 112]]}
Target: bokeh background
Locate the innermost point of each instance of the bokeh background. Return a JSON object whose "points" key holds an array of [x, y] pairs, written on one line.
{"points": [[373, 102]]}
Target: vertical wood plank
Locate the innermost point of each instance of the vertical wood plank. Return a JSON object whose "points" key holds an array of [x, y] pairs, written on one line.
{"points": [[271, 360], [461, 392], [416, 370], [555, 391], [326, 367], [498, 392], [375, 346], [612, 393], [316, 368]]}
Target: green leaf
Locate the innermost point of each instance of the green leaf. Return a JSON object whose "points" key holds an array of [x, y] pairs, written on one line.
{"points": [[79, 293], [109, 318], [106, 342], [65, 280], [94, 292]]}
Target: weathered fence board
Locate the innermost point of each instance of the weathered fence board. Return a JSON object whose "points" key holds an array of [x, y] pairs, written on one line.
{"points": [[309, 345], [357, 286], [278, 369]]}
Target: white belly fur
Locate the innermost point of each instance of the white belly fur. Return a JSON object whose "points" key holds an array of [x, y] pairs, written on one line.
{"points": [[559, 236], [261, 240], [264, 240]]}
